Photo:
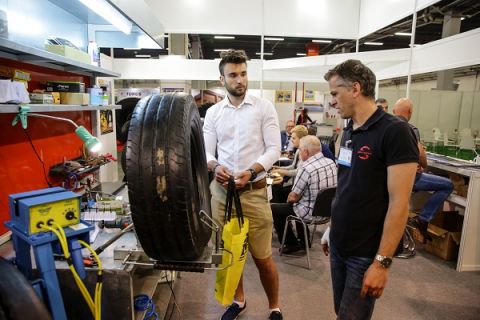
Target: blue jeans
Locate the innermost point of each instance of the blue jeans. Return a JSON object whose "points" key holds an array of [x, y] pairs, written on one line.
{"points": [[441, 187], [347, 281]]}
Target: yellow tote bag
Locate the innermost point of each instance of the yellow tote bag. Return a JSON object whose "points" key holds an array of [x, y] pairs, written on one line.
{"points": [[235, 243]]}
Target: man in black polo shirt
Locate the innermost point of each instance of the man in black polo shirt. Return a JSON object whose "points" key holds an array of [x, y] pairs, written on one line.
{"points": [[377, 164]]}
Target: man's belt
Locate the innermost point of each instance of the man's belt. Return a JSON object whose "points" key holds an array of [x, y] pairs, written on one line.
{"points": [[260, 184]]}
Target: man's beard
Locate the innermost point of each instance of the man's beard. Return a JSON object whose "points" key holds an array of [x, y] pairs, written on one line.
{"points": [[234, 91]]}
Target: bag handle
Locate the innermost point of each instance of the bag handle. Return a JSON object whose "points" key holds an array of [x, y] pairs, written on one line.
{"points": [[233, 197]]}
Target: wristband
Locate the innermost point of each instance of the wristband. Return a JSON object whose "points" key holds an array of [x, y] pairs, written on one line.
{"points": [[215, 167]]}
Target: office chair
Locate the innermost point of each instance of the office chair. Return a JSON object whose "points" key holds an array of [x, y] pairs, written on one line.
{"points": [[322, 211]]}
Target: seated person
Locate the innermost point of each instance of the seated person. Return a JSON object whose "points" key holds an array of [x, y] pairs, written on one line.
{"points": [[303, 118], [382, 103], [317, 173], [441, 187], [285, 135], [280, 191]]}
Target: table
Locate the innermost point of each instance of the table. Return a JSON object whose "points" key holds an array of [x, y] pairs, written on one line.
{"points": [[469, 251]]}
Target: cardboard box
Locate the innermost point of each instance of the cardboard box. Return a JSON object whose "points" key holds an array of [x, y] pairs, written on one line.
{"points": [[69, 52], [41, 98], [74, 98], [445, 230], [96, 96], [65, 86]]}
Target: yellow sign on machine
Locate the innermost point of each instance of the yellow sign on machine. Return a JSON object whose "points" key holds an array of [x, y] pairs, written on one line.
{"points": [[64, 213], [33, 210]]}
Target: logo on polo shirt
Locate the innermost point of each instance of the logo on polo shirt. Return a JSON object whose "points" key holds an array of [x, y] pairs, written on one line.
{"points": [[364, 153]]}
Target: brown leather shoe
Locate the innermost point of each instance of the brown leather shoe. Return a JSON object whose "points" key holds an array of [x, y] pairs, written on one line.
{"points": [[289, 249]]}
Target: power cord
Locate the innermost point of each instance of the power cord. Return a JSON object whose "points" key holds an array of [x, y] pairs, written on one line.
{"points": [[174, 299], [38, 157]]}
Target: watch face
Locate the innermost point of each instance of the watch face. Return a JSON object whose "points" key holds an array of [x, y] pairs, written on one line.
{"points": [[386, 262]]}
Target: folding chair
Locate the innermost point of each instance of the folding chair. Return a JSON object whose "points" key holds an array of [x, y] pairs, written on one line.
{"points": [[322, 211]]}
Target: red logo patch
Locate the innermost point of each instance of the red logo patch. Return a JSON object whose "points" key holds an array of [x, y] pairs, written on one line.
{"points": [[364, 153]]}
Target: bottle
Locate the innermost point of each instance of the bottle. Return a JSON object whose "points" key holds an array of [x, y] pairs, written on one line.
{"points": [[94, 53]]}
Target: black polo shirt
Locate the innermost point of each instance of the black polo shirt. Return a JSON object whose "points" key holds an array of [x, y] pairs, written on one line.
{"points": [[361, 201]]}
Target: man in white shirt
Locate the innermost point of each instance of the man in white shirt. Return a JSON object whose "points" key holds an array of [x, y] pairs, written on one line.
{"points": [[244, 131]]}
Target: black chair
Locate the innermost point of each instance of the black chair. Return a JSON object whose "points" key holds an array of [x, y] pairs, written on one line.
{"points": [[322, 211]]}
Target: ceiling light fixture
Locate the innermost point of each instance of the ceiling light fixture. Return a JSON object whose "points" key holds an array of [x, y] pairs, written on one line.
{"points": [[224, 37], [273, 39], [220, 50], [373, 43], [109, 13], [132, 49], [143, 56], [406, 34], [321, 41], [301, 54], [265, 53], [462, 18]]}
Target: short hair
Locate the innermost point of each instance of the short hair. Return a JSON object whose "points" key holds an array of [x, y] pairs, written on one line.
{"points": [[355, 71], [300, 131], [311, 143], [381, 100], [232, 56]]}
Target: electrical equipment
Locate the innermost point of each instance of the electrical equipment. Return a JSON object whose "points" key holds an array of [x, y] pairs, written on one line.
{"points": [[30, 211]]}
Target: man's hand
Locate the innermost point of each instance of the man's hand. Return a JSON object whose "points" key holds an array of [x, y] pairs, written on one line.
{"points": [[222, 174], [242, 179], [281, 172], [326, 249], [374, 281]]}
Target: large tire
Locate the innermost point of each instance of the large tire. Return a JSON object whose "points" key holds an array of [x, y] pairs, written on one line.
{"points": [[18, 300], [168, 178], [123, 115]]}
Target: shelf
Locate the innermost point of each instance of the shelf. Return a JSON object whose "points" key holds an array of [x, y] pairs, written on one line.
{"points": [[18, 52], [13, 108]]}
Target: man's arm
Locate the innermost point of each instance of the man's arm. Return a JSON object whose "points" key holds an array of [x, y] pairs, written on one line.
{"points": [[210, 137], [293, 197], [422, 158], [400, 182]]}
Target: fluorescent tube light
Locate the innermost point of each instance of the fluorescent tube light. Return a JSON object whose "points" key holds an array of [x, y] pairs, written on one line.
{"points": [[109, 13], [301, 54], [321, 41], [373, 43], [407, 34], [265, 53], [132, 49], [220, 50], [143, 56], [224, 37], [273, 39]]}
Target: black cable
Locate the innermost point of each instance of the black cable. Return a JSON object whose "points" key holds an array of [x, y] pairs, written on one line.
{"points": [[174, 300], [39, 159]]}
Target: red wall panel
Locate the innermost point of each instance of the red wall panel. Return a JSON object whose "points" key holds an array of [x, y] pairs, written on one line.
{"points": [[20, 169]]}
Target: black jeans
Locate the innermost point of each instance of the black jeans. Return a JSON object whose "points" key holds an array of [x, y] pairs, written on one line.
{"points": [[280, 212]]}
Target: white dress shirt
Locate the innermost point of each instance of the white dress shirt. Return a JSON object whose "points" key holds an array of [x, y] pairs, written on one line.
{"points": [[242, 135]]}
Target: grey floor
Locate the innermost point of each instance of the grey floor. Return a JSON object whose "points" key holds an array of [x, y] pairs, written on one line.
{"points": [[424, 287]]}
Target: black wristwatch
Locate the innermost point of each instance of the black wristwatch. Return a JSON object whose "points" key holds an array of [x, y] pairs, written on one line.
{"points": [[253, 174], [384, 261]]}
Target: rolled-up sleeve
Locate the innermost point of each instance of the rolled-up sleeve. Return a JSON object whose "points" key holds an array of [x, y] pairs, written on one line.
{"points": [[271, 137], [210, 135]]}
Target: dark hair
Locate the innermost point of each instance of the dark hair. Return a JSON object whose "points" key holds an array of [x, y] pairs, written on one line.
{"points": [[355, 71], [381, 100], [232, 56]]}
